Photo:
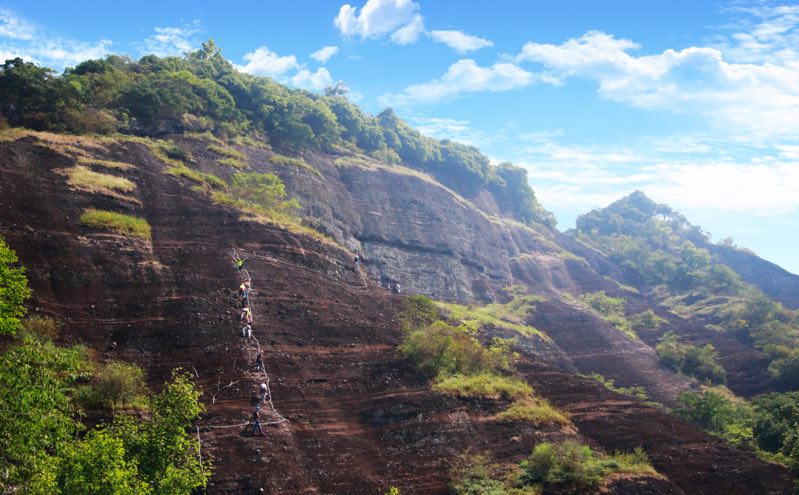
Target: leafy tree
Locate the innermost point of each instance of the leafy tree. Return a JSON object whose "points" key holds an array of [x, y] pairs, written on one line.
{"points": [[14, 290], [264, 191], [700, 362]]}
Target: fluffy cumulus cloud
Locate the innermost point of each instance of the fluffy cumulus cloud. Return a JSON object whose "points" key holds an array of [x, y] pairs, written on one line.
{"points": [[378, 18], [315, 81], [20, 38], [285, 69], [460, 41], [323, 54], [169, 41], [464, 76], [264, 62], [747, 82]]}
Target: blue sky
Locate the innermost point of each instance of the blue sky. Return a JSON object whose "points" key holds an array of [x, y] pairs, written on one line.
{"points": [[695, 103]]}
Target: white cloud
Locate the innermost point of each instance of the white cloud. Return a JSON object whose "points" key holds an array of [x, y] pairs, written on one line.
{"points": [[577, 178], [410, 32], [15, 27], [760, 98], [464, 76], [457, 130], [316, 81], [264, 62], [171, 41], [20, 38], [460, 41], [378, 18], [284, 69], [323, 54]]}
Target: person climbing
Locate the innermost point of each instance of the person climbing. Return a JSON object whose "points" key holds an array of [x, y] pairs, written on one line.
{"points": [[242, 289], [259, 361], [256, 422], [246, 315], [239, 263], [246, 331], [264, 390], [357, 261], [255, 399]]}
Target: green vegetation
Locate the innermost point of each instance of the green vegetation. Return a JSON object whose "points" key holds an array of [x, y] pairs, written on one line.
{"points": [[114, 385], [294, 162], [566, 467], [202, 94], [535, 411], [230, 156], [699, 362], [508, 316], [118, 222], [637, 392], [461, 366], [485, 385], [46, 449], [767, 424], [42, 326], [115, 165], [85, 179], [645, 320], [207, 180], [14, 291], [610, 309]]}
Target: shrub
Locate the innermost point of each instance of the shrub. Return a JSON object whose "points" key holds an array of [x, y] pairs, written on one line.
{"points": [[42, 326], [646, 320], [442, 349], [472, 476], [484, 385], [637, 392], [14, 290], [611, 309], [535, 411], [700, 362], [118, 222], [574, 468], [115, 385], [420, 312]]}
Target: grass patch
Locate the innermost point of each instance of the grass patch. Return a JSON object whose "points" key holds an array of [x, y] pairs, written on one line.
{"points": [[230, 156], [536, 411], [232, 162], [637, 392], [483, 385], [610, 309], [210, 180], [84, 179], [294, 162], [115, 385], [112, 164], [483, 316], [118, 222], [42, 326]]}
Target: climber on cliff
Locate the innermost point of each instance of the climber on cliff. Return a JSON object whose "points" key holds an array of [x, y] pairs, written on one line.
{"points": [[259, 361], [239, 263], [246, 331], [246, 315], [264, 390], [256, 421]]}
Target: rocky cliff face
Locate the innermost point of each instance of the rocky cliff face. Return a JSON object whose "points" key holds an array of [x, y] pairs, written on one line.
{"points": [[359, 418]]}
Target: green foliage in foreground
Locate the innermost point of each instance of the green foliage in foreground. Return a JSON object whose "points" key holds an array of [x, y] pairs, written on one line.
{"points": [[768, 424], [45, 449], [699, 362], [119, 222], [567, 467], [14, 290]]}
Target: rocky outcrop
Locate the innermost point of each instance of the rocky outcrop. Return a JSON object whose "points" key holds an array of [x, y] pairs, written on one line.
{"points": [[360, 419]]}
